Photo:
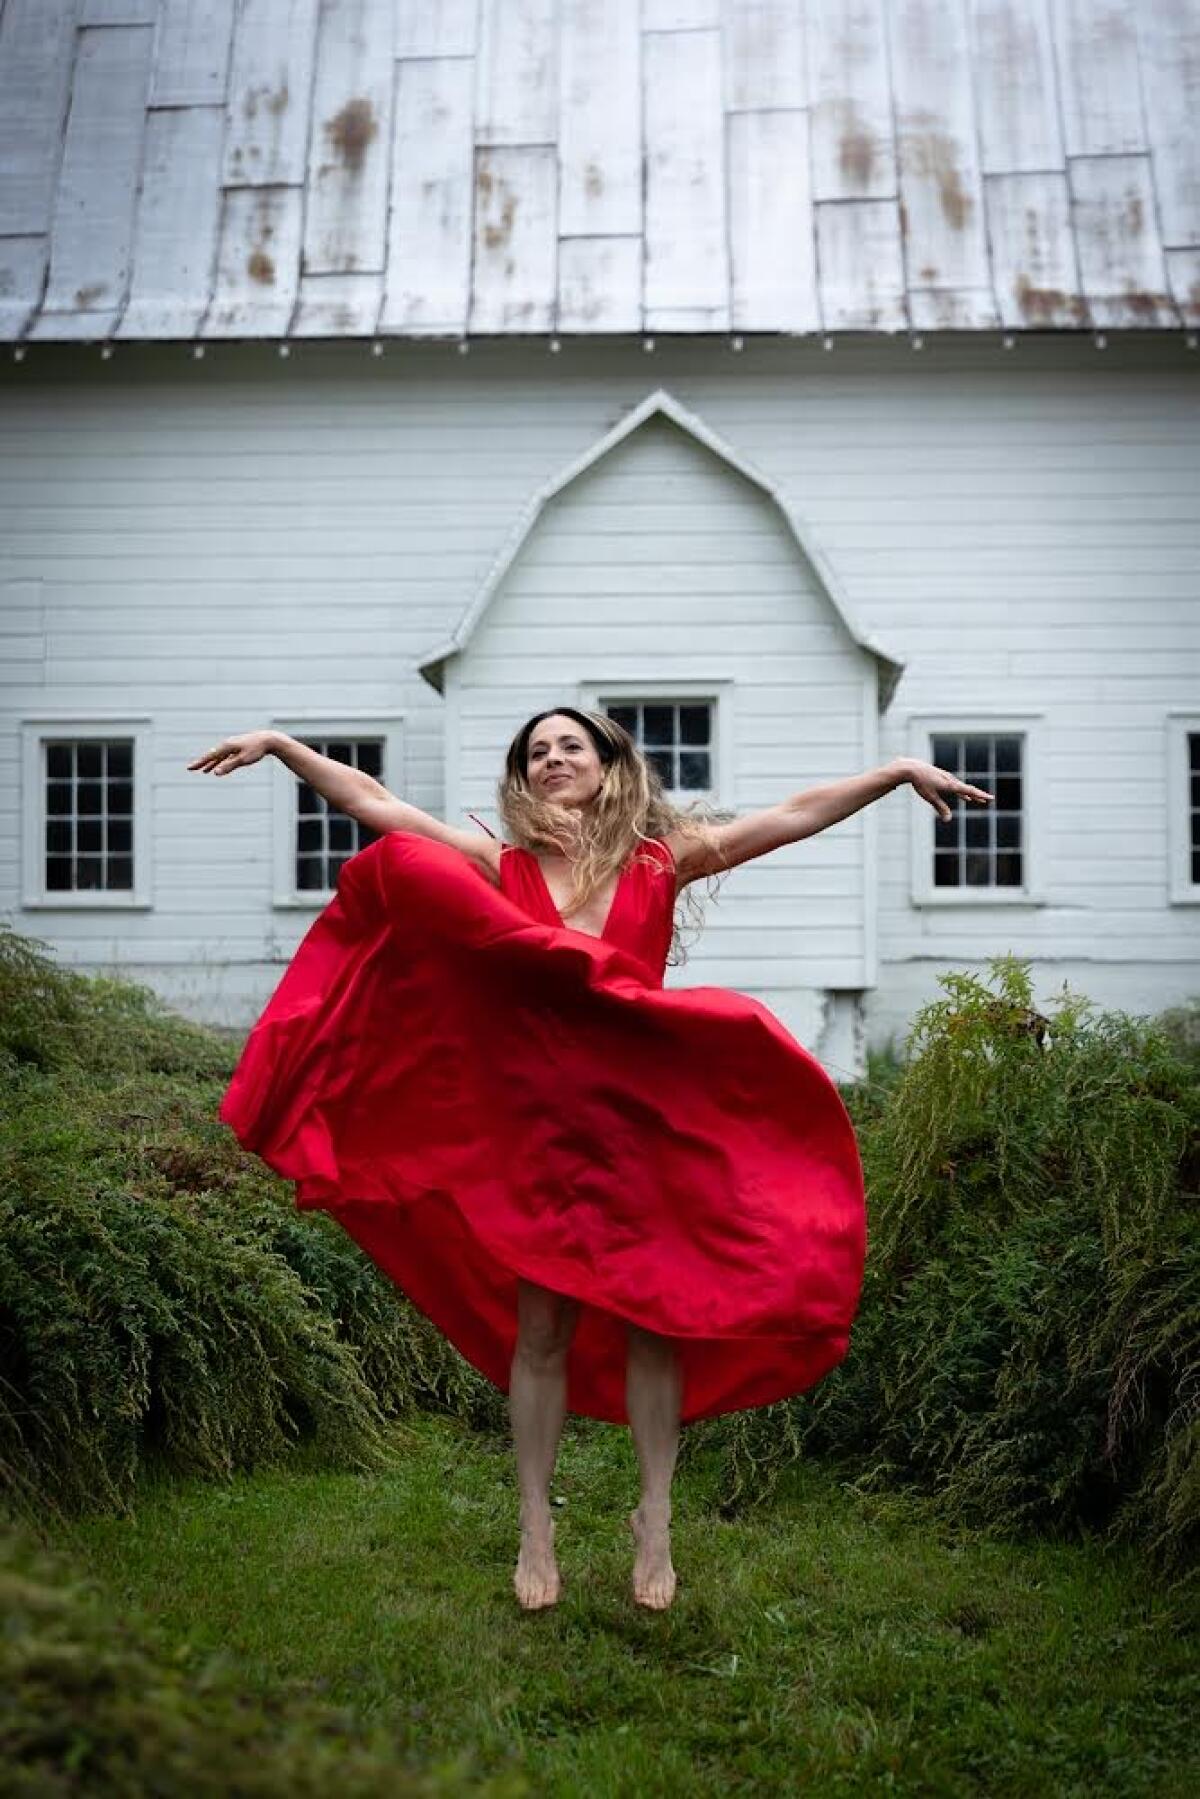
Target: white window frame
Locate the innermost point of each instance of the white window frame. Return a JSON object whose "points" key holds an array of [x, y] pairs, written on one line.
{"points": [[35, 731], [285, 895], [595, 695], [1028, 725], [1182, 890]]}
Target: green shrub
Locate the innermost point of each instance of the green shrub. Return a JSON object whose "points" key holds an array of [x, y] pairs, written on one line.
{"points": [[1027, 1350], [161, 1299], [53, 1018]]}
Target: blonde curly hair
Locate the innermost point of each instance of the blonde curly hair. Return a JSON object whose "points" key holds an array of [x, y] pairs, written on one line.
{"points": [[598, 839]]}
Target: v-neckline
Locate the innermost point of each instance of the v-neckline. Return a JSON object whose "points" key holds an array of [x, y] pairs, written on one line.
{"points": [[596, 936]]}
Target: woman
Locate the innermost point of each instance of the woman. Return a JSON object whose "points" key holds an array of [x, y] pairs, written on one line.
{"points": [[556, 1158]]}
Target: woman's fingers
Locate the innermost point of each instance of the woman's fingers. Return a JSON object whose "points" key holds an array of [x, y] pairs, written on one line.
{"points": [[212, 762]]}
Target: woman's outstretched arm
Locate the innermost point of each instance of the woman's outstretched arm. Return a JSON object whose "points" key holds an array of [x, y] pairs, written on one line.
{"points": [[815, 809], [351, 790]]}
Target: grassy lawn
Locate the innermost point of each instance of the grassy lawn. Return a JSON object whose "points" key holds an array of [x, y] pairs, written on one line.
{"points": [[827, 1643]]}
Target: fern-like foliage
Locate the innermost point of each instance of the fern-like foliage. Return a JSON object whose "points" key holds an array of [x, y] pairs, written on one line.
{"points": [[1027, 1351]]}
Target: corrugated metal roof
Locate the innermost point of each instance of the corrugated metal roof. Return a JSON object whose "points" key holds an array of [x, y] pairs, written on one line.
{"points": [[346, 168]]}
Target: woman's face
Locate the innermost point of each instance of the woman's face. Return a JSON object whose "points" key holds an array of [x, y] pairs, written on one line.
{"points": [[562, 763]]}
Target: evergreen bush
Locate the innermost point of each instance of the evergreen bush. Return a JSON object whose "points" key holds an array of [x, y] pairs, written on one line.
{"points": [[161, 1299], [1027, 1351]]}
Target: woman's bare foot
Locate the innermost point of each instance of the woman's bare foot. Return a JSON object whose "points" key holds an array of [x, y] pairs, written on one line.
{"points": [[653, 1575], [536, 1580]]}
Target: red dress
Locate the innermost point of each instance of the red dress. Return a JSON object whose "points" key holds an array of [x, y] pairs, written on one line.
{"points": [[477, 1091]]}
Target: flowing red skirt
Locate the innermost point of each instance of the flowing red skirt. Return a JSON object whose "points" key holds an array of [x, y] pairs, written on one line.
{"points": [[478, 1096]]}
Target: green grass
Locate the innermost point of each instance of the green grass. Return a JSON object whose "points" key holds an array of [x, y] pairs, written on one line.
{"points": [[827, 1643]]}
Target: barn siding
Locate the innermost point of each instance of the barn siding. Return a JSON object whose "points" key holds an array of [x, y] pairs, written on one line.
{"points": [[211, 544]]}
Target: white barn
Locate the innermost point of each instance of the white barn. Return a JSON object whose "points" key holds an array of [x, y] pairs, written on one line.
{"points": [[814, 381]]}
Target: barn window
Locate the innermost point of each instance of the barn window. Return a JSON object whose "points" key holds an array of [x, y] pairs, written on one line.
{"points": [[325, 838], [86, 834], [1183, 807], [980, 854], [314, 840], [685, 727], [980, 846], [89, 815], [677, 737]]}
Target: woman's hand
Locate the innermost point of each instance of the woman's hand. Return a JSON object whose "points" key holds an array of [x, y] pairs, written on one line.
{"points": [[234, 752], [932, 782]]}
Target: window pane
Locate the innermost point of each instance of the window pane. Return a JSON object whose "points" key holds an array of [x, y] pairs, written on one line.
{"points": [[308, 799], [89, 873], [120, 759], [90, 793], [1008, 755], [370, 758], [120, 798], [58, 797], [310, 873], [694, 769], [120, 872], [1008, 869], [976, 760], [336, 865], [945, 833], [662, 762], [340, 752], [58, 761], [341, 833], [1008, 793], [626, 717], [660, 725], [978, 868], [90, 835], [1196, 788], [58, 836], [58, 874], [944, 753], [308, 834], [363, 836], [1008, 830], [120, 835], [90, 759], [946, 870], [693, 724], [978, 830]]}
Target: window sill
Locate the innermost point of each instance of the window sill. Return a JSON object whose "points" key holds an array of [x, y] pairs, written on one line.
{"points": [[967, 897], [85, 902], [302, 902]]}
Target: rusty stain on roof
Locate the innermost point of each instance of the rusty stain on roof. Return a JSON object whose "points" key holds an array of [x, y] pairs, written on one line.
{"points": [[933, 155], [1048, 305], [350, 131], [496, 234], [273, 100]]}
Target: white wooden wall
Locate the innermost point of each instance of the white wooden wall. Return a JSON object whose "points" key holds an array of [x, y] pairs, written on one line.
{"points": [[215, 543]]}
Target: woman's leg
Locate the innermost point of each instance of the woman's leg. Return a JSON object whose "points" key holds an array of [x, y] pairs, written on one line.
{"points": [[537, 1398], [653, 1391]]}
